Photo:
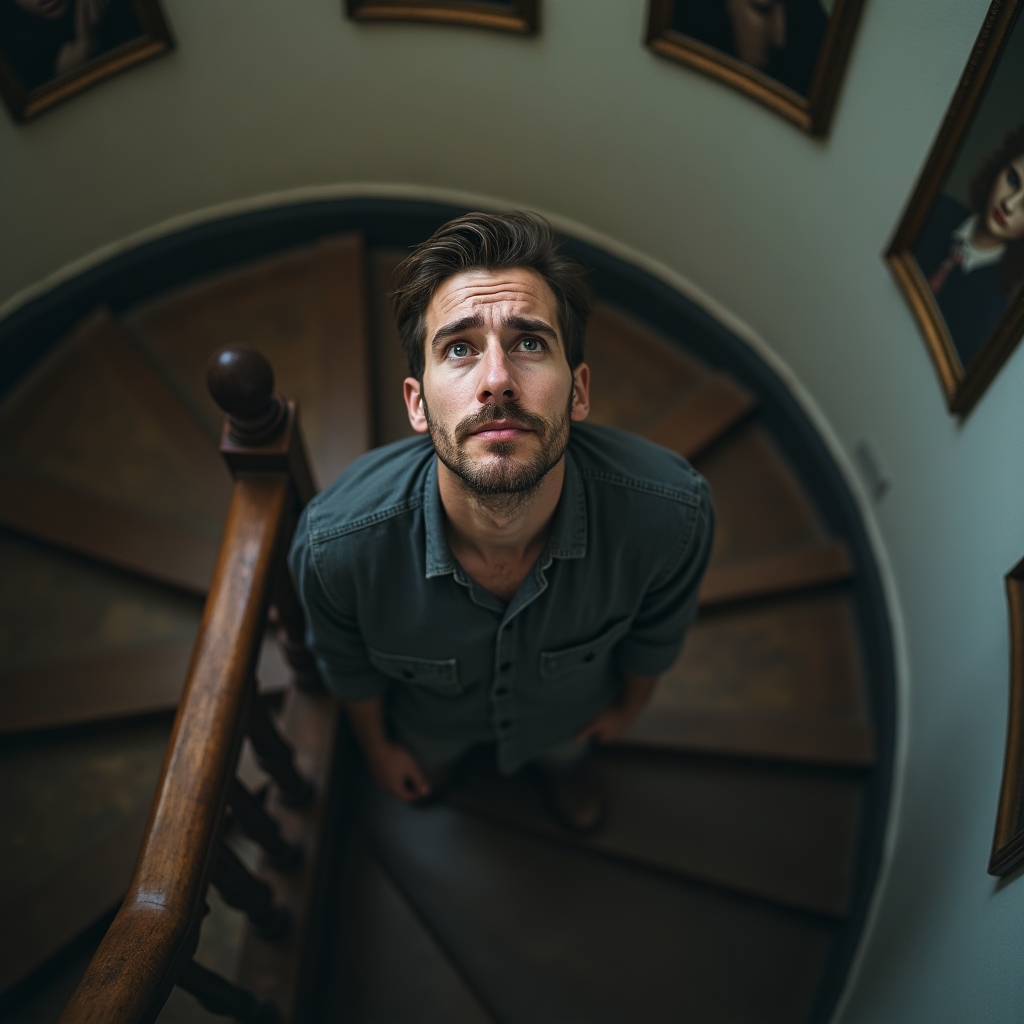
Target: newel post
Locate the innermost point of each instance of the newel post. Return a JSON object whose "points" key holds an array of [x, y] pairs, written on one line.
{"points": [[261, 435]]}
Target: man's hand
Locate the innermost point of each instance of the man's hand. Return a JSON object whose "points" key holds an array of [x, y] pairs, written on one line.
{"points": [[611, 723], [393, 768], [397, 772], [608, 725]]}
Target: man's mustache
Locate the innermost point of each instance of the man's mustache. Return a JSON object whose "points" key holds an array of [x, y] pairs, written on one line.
{"points": [[507, 411]]}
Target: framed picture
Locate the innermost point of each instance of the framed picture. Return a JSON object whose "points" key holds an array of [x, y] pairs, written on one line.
{"points": [[1008, 844], [52, 49], [958, 253], [506, 15], [788, 54]]}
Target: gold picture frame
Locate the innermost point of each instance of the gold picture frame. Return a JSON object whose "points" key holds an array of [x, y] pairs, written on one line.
{"points": [[1008, 842], [965, 366], [26, 100], [519, 16], [811, 110]]}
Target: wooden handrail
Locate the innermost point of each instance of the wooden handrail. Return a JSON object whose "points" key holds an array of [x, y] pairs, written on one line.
{"points": [[153, 935]]}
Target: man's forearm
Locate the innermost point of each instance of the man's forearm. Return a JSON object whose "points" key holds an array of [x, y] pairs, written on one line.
{"points": [[367, 718], [636, 692]]}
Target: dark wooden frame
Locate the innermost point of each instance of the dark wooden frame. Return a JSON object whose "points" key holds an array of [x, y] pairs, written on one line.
{"points": [[1008, 841], [812, 112], [522, 18], [154, 40], [962, 386]]}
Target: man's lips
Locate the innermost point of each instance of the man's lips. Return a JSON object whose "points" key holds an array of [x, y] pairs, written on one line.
{"points": [[500, 430], [997, 216]]}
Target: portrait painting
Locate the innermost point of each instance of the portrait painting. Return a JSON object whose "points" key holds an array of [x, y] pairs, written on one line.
{"points": [[958, 253], [52, 49], [505, 15], [789, 54]]}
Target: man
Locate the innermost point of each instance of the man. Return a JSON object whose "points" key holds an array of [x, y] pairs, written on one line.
{"points": [[514, 576]]}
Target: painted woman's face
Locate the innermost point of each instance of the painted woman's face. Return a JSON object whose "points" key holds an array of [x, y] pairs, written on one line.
{"points": [[1004, 217], [51, 10], [757, 26]]}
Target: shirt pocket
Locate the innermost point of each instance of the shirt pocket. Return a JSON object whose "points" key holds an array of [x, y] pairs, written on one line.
{"points": [[439, 676], [570, 661]]}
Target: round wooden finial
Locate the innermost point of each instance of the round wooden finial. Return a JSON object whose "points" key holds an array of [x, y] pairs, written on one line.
{"points": [[241, 382]]}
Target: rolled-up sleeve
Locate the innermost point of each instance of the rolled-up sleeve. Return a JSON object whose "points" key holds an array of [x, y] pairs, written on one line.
{"points": [[669, 606], [332, 629]]}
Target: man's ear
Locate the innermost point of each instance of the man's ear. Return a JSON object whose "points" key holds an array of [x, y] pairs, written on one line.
{"points": [[413, 390], [580, 393]]}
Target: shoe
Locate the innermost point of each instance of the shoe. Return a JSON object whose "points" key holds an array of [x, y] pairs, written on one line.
{"points": [[575, 797]]}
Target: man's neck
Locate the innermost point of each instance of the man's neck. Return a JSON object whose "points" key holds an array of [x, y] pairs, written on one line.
{"points": [[498, 545]]}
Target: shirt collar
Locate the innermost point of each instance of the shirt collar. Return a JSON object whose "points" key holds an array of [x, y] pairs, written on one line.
{"points": [[568, 530], [971, 257]]}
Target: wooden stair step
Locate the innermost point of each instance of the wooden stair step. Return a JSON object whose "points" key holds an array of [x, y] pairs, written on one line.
{"points": [[74, 809], [547, 933], [306, 311], [106, 531], [761, 506], [776, 832], [97, 418], [636, 375], [781, 679], [84, 642], [798, 569], [707, 413], [384, 965], [801, 737]]}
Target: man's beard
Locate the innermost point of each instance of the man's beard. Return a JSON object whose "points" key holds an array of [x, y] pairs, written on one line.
{"points": [[506, 483]]}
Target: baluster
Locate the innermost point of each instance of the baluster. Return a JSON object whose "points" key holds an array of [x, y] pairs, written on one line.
{"points": [[218, 995], [276, 757], [245, 891], [287, 616], [248, 810]]}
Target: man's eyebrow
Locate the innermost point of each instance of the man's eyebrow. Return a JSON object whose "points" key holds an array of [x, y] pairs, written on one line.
{"points": [[525, 323], [456, 327]]}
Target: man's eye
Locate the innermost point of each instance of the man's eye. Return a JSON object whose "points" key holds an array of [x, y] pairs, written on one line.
{"points": [[459, 350], [1012, 178], [530, 345]]}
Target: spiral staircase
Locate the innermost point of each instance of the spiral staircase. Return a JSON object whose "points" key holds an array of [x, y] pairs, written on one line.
{"points": [[730, 880]]}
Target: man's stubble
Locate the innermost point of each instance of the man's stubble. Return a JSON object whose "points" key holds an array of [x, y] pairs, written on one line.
{"points": [[506, 483]]}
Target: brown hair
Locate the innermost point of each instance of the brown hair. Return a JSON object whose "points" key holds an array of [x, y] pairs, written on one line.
{"points": [[1011, 266], [488, 241]]}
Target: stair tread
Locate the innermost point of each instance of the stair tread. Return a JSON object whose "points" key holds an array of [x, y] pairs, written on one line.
{"points": [[85, 642], [631, 394], [551, 934], [385, 966], [761, 507], [79, 803], [776, 679], [777, 832], [97, 418], [305, 310]]}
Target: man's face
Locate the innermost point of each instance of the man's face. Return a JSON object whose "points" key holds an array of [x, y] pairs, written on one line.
{"points": [[497, 393]]}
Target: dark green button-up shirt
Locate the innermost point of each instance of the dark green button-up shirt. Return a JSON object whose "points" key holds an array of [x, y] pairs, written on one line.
{"points": [[390, 612]]}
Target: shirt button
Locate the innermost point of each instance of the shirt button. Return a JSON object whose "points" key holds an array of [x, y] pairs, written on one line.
{"points": [[505, 666], [504, 724], [501, 691]]}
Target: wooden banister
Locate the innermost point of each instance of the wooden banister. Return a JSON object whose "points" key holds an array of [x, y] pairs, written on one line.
{"points": [[153, 936]]}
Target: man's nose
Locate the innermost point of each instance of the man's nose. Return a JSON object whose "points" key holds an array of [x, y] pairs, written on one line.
{"points": [[497, 384]]}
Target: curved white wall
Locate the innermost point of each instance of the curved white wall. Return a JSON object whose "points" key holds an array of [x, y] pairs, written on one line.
{"points": [[782, 231]]}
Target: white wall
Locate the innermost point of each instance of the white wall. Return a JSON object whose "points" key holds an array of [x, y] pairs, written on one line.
{"points": [[782, 231]]}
